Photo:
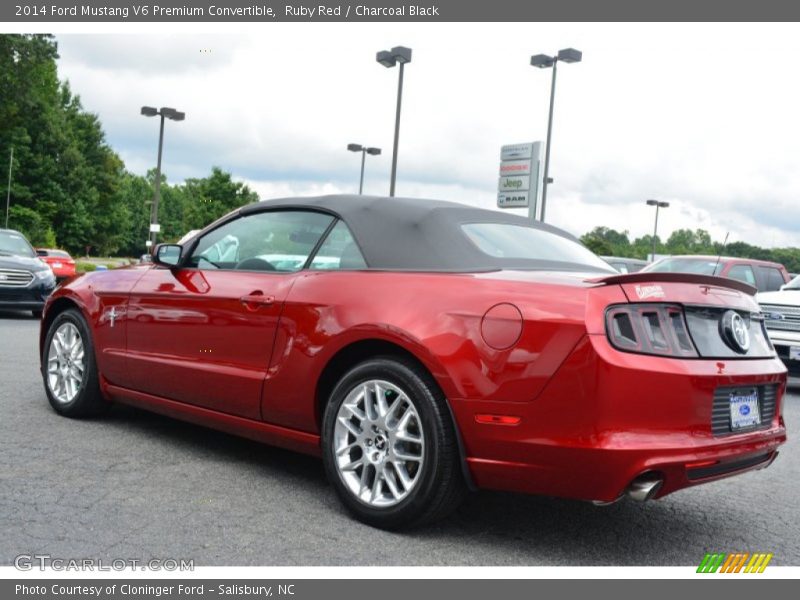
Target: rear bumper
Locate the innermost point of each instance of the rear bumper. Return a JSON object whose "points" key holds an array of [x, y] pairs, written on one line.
{"points": [[607, 417]]}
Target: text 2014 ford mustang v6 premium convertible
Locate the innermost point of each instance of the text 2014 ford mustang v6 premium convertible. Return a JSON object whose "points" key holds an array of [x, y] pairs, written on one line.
{"points": [[424, 347]]}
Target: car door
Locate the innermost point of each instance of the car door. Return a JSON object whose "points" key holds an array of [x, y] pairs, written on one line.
{"points": [[202, 333]]}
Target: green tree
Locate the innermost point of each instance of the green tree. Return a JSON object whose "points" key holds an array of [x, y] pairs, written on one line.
{"points": [[686, 241], [63, 169], [30, 121], [607, 242], [33, 226], [209, 198]]}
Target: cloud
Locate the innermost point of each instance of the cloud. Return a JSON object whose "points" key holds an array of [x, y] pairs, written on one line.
{"points": [[692, 114]]}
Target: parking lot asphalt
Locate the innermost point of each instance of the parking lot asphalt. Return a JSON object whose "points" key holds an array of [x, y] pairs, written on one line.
{"points": [[136, 485]]}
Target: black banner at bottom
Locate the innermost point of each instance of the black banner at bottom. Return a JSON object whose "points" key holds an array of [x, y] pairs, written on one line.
{"points": [[382, 589]]}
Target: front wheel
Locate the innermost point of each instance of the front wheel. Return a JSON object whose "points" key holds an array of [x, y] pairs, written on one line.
{"points": [[389, 446], [69, 369]]}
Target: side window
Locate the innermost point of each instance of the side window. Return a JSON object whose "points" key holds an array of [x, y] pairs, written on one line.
{"points": [[743, 273], [773, 279], [267, 241], [339, 251]]}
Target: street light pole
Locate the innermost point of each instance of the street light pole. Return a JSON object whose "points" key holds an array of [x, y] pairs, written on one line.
{"points": [[397, 129], [543, 61], [658, 204], [361, 180], [364, 151], [8, 188], [549, 135], [157, 192], [174, 115], [389, 58]]}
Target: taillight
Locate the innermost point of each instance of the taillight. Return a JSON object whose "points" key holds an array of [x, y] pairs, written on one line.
{"points": [[650, 328]]}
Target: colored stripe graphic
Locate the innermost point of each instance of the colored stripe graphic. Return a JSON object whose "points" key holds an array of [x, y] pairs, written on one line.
{"points": [[740, 564], [737, 562], [728, 566], [710, 563], [766, 562], [703, 563]]}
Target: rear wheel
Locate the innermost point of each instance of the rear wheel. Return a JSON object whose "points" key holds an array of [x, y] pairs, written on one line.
{"points": [[69, 369], [389, 446]]}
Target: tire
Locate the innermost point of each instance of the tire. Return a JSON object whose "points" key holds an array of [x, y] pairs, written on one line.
{"points": [[37, 314], [76, 393], [398, 464]]}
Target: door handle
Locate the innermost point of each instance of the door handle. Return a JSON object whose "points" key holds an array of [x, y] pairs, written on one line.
{"points": [[256, 299]]}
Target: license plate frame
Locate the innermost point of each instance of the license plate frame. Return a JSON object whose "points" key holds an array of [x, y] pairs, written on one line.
{"points": [[745, 409]]}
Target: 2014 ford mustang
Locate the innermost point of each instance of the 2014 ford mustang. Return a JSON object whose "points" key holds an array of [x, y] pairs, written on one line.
{"points": [[423, 348]]}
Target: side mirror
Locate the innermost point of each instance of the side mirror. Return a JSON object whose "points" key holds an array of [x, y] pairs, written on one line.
{"points": [[41, 253], [167, 255]]}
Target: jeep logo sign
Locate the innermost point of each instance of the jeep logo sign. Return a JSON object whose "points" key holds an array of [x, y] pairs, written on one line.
{"points": [[514, 184]]}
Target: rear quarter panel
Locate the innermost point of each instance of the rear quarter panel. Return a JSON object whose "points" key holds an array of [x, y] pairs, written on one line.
{"points": [[436, 317]]}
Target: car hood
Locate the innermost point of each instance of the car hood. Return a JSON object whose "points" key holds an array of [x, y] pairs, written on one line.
{"points": [[786, 298], [22, 262]]}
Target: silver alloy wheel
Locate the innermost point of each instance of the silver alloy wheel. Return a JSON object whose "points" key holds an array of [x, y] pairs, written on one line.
{"points": [[378, 443], [65, 363]]}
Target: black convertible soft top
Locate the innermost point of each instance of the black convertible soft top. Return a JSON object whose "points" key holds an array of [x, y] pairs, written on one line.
{"points": [[417, 234]]}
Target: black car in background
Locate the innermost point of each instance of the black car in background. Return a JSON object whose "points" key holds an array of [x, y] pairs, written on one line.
{"points": [[25, 281]]}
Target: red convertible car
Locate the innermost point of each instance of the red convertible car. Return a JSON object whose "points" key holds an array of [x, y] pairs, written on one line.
{"points": [[423, 348]]}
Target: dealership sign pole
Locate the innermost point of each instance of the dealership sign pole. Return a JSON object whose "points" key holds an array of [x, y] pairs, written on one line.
{"points": [[518, 185]]}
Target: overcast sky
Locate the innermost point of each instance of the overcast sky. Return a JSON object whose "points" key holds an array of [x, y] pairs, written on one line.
{"points": [[704, 116]]}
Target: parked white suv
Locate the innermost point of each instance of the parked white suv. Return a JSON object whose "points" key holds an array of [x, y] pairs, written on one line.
{"points": [[782, 318]]}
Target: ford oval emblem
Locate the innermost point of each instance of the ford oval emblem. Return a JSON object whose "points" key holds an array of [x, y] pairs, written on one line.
{"points": [[744, 410], [735, 331]]}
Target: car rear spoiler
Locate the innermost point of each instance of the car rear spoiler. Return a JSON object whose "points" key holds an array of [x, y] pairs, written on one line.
{"points": [[649, 277]]}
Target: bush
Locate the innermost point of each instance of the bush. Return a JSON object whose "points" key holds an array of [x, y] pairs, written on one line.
{"points": [[84, 267]]}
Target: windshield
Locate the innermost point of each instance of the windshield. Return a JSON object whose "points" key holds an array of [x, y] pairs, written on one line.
{"points": [[503, 240], [701, 266], [13, 244]]}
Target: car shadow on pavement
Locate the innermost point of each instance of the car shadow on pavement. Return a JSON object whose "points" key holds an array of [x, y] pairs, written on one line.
{"points": [[205, 442]]}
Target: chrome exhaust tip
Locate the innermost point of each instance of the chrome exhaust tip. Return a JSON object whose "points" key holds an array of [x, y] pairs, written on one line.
{"points": [[644, 487]]}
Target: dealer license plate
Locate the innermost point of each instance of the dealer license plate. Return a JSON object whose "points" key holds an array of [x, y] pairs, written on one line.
{"points": [[744, 409], [57, 265], [794, 352]]}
